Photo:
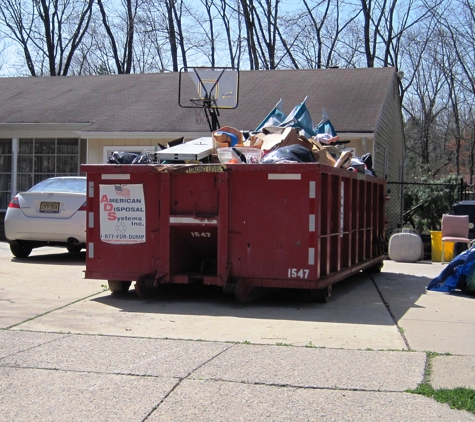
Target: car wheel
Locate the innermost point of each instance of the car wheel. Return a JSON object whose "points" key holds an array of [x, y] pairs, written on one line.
{"points": [[21, 250], [74, 249]]}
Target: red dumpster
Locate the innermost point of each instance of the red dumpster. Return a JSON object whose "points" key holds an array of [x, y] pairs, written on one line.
{"points": [[241, 226]]}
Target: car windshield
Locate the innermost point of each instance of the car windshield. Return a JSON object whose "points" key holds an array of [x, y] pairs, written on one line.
{"points": [[61, 185]]}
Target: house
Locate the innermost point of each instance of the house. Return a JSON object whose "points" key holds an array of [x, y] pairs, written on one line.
{"points": [[51, 125]]}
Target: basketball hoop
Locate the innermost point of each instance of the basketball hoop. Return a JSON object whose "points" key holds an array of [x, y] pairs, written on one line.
{"points": [[200, 115], [217, 88], [206, 107]]}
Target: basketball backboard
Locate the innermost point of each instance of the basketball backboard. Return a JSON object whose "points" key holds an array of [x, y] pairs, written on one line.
{"points": [[208, 87]]}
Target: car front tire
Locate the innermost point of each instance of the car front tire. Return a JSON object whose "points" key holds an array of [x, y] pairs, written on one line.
{"points": [[20, 249]]}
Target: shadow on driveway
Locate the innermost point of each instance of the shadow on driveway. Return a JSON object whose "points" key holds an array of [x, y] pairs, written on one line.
{"points": [[60, 258], [355, 300]]}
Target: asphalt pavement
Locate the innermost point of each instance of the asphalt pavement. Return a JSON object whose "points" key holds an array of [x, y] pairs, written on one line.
{"points": [[69, 350]]}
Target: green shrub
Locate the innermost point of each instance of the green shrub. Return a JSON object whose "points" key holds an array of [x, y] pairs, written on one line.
{"points": [[436, 198]]}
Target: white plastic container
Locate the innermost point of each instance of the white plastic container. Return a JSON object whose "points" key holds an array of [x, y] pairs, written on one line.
{"points": [[405, 247], [253, 155]]}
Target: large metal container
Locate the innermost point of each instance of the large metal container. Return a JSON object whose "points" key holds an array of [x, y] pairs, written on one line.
{"points": [[240, 226]]}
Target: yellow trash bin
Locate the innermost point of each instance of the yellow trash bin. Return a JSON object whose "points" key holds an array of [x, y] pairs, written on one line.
{"points": [[436, 245]]}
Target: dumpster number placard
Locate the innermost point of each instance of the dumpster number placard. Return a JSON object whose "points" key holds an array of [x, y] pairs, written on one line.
{"points": [[200, 234], [122, 213], [297, 273]]}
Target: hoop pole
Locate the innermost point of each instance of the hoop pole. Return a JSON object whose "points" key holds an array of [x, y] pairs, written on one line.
{"points": [[212, 117]]}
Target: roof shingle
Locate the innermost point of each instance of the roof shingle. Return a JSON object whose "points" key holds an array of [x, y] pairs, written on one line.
{"points": [[353, 99]]}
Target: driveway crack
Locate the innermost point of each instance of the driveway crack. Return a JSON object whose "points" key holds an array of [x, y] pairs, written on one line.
{"points": [[52, 310], [388, 308], [181, 379]]}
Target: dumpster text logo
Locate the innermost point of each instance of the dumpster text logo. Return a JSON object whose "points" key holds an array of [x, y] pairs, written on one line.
{"points": [[122, 214]]}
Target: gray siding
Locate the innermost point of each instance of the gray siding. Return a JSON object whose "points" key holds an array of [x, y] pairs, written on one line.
{"points": [[389, 137], [389, 134]]}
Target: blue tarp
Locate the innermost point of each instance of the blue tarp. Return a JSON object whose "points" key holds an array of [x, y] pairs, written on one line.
{"points": [[300, 118], [458, 274], [274, 118], [325, 126]]}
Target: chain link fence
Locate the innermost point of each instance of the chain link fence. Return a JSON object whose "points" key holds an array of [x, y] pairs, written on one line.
{"points": [[420, 206]]}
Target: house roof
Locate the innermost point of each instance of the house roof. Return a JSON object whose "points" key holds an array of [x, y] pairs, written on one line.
{"points": [[353, 99]]}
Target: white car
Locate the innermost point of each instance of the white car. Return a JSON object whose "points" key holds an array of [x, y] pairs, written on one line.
{"points": [[51, 213]]}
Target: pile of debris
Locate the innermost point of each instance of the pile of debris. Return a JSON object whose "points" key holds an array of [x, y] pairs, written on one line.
{"points": [[277, 139], [290, 139]]}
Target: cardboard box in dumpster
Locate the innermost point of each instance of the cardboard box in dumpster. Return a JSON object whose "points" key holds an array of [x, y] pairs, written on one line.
{"points": [[324, 157], [274, 138]]}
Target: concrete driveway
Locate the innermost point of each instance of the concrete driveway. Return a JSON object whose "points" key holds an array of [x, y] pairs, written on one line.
{"points": [[127, 358], [47, 292]]}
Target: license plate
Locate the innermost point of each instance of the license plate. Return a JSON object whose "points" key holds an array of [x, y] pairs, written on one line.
{"points": [[49, 207]]}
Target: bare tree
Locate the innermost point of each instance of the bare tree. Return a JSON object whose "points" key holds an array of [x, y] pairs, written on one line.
{"points": [[3, 53], [369, 38], [450, 68], [172, 35], [152, 52], [168, 25], [48, 32], [119, 25], [458, 64], [205, 33], [318, 24], [230, 18], [209, 30], [175, 9], [266, 16], [385, 22], [247, 10], [425, 101], [316, 34]]}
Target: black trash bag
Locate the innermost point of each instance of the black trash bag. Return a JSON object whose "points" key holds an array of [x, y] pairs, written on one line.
{"points": [[369, 172], [142, 159], [292, 153], [368, 160], [122, 157]]}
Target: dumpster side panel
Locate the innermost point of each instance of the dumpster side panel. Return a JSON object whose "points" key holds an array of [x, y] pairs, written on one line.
{"points": [[127, 261], [272, 224], [303, 226], [349, 207]]}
